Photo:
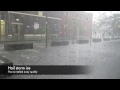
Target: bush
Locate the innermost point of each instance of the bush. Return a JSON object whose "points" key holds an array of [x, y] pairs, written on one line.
{"points": [[41, 31]]}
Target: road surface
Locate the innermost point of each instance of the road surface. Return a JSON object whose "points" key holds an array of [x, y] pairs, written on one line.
{"points": [[104, 57]]}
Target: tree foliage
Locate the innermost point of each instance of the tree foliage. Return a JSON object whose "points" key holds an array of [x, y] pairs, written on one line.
{"points": [[110, 24]]}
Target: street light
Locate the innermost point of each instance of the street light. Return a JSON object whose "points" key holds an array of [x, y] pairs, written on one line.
{"points": [[17, 19]]}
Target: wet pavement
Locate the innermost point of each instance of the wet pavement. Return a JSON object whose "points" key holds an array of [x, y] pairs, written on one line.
{"points": [[103, 56]]}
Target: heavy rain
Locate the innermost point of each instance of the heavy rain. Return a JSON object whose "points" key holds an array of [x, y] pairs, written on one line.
{"points": [[60, 38]]}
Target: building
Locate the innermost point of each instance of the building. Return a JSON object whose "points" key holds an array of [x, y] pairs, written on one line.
{"points": [[64, 24], [79, 24]]}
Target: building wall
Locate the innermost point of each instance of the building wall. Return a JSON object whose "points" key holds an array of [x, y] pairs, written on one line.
{"points": [[73, 25], [79, 22]]}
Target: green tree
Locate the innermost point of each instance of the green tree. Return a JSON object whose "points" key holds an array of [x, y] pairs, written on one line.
{"points": [[110, 24]]}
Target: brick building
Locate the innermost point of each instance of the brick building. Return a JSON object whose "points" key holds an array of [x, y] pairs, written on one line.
{"points": [[78, 23]]}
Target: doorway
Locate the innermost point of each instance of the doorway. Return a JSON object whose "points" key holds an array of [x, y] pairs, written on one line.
{"points": [[18, 30]]}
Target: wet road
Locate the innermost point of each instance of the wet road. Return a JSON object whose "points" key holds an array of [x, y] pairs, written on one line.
{"points": [[104, 57]]}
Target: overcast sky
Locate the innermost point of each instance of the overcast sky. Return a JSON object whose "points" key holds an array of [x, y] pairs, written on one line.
{"points": [[96, 14]]}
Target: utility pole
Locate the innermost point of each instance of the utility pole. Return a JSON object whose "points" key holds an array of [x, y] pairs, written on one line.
{"points": [[46, 22], [6, 24]]}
